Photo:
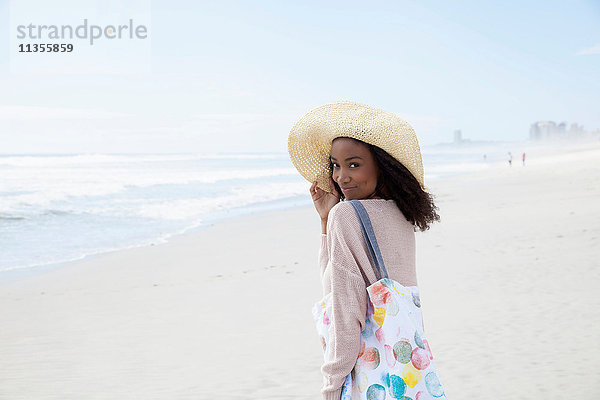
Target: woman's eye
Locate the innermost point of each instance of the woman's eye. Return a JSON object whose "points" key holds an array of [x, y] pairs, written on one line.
{"points": [[334, 165]]}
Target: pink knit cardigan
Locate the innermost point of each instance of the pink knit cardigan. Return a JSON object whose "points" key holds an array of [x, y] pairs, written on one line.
{"points": [[343, 250]]}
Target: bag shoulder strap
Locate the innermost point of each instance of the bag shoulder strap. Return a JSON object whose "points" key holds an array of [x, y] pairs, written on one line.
{"points": [[372, 245]]}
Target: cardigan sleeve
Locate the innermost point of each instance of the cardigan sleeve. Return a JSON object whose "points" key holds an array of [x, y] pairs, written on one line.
{"points": [[323, 254], [349, 297]]}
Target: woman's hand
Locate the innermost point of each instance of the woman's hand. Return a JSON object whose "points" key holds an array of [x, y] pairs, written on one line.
{"points": [[323, 200]]}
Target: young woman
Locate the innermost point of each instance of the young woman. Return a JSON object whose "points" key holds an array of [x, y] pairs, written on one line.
{"points": [[369, 320]]}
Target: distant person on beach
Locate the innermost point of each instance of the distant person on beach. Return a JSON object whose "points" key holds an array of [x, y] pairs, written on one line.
{"points": [[484, 157], [523, 159], [509, 159], [367, 187]]}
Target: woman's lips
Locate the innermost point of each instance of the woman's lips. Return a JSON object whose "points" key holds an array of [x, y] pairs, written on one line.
{"points": [[347, 189]]}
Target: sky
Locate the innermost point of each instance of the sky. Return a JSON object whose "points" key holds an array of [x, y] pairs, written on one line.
{"points": [[234, 76]]}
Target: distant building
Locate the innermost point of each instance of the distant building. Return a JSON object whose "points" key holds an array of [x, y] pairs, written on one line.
{"points": [[458, 136], [576, 130], [549, 130], [543, 130]]}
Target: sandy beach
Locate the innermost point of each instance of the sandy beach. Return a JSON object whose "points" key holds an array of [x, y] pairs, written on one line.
{"points": [[508, 283]]}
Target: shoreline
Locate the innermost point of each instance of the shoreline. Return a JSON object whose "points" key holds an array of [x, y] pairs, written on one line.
{"points": [[544, 150], [25, 272]]}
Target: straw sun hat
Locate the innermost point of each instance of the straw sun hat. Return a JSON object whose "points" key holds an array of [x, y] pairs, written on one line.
{"points": [[309, 142]]}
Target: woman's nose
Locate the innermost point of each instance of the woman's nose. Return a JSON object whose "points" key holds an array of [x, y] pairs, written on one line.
{"points": [[342, 178]]}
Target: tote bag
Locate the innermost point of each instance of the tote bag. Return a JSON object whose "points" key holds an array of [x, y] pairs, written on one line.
{"points": [[395, 361]]}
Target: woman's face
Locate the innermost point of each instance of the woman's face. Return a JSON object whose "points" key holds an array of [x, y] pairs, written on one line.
{"points": [[353, 168]]}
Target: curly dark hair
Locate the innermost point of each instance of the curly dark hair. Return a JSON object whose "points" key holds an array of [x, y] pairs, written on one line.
{"points": [[396, 182]]}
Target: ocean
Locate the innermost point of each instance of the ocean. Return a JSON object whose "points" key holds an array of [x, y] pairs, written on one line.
{"points": [[56, 208]]}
